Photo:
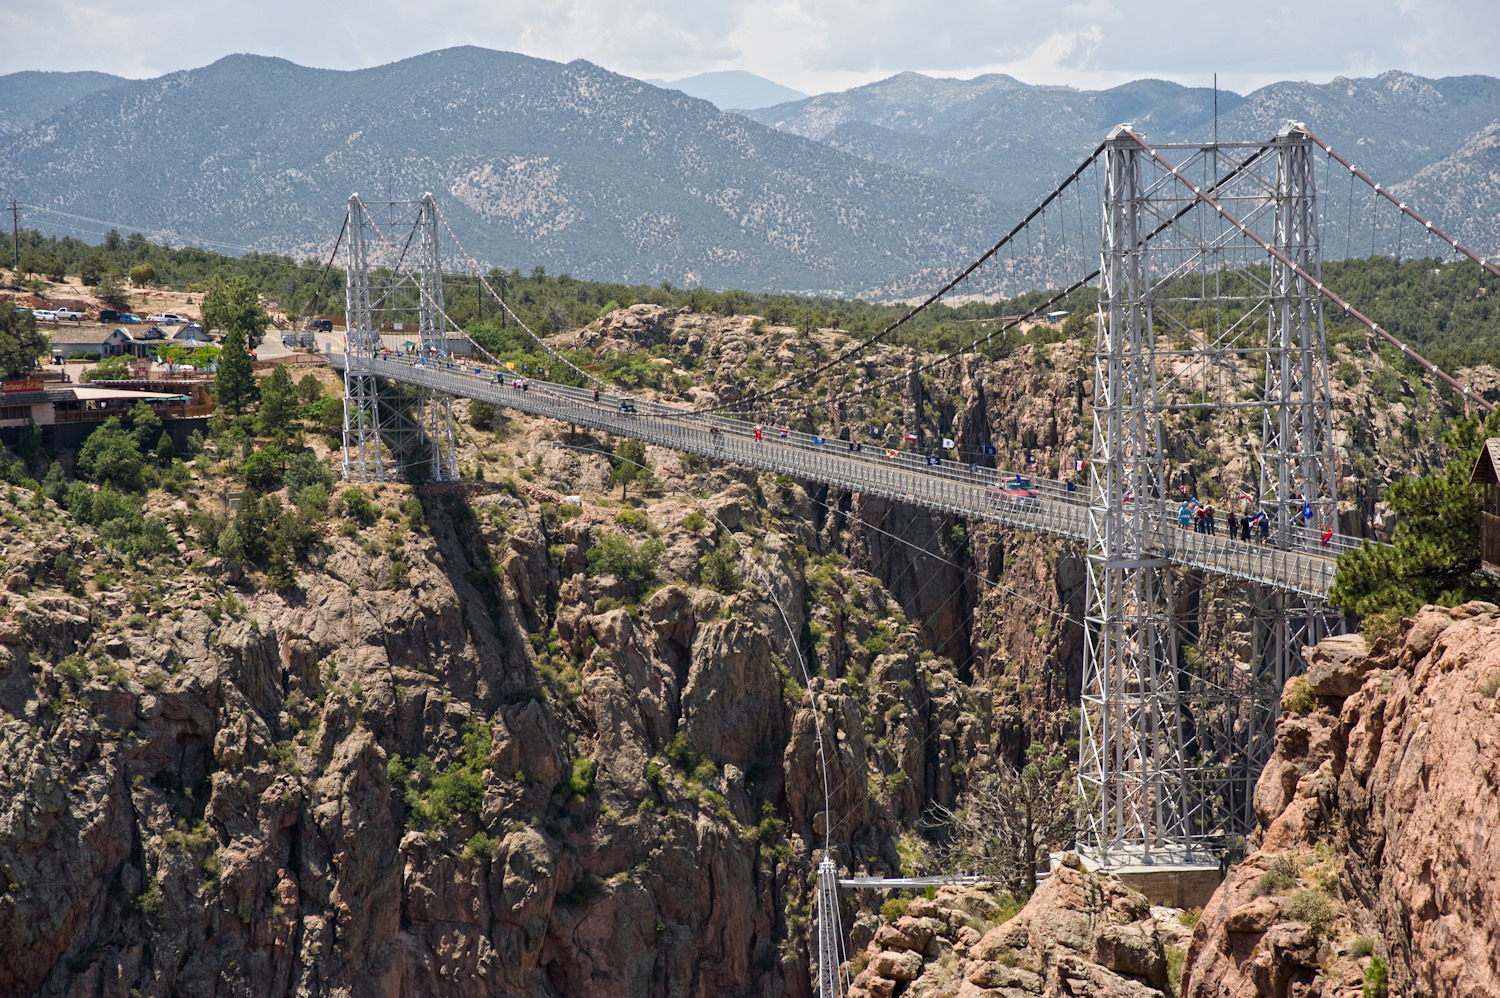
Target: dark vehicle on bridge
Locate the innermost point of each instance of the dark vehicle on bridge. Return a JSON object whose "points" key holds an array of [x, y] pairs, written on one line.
{"points": [[321, 325], [626, 405]]}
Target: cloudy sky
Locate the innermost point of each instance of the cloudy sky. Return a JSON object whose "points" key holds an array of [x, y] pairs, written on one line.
{"points": [[812, 45]]}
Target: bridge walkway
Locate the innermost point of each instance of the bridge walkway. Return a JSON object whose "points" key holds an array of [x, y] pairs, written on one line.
{"points": [[1059, 510]]}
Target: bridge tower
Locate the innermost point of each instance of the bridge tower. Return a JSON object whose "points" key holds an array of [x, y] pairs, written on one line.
{"points": [[1131, 765], [1171, 745], [393, 431]]}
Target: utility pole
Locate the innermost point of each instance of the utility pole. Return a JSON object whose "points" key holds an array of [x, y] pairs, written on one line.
{"points": [[15, 236]]}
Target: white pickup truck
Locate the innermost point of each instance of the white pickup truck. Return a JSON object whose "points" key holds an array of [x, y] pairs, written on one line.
{"points": [[168, 319], [69, 314]]}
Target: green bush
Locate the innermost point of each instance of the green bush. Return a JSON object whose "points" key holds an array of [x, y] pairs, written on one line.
{"points": [[1361, 946], [1377, 979], [480, 846], [264, 470], [1312, 906], [634, 566], [1298, 697], [304, 470], [357, 505], [581, 783], [894, 908]]}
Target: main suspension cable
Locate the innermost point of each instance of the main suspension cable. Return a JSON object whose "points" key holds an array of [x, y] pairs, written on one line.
{"points": [[1405, 209], [1034, 313], [931, 299]]}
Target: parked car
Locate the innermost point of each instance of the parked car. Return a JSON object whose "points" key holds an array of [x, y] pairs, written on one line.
{"points": [[322, 325], [129, 318], [45, 315], [168, 319]]}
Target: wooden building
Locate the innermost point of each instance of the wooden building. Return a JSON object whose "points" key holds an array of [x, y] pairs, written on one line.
{"points": [[1487, 473]]}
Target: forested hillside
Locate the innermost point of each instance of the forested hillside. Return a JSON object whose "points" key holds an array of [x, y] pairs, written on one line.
{"points": [[534, 162]]}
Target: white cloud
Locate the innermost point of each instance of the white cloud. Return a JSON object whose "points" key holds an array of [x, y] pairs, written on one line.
{"points": [[812, 45]]}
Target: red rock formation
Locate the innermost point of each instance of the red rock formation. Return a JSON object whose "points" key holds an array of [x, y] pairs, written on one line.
{"points": [[1377, 820]]}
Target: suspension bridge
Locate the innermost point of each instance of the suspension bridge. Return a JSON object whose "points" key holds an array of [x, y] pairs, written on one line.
{"points": [[1210, 298]]}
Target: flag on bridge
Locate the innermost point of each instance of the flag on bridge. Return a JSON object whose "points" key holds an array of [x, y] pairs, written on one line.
{"points": [[934, 459], [1307, 513], [892, 453], [783, 434], [1327, 536], [817, 440], [911, 438], [988, 451], [1245, 496], [973, 467], [947, 444], [1080, 465], [1030, 458], [876, 431], [1072, 487], [855, 448]]}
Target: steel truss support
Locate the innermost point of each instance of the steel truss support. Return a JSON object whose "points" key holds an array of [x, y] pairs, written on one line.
{"points": [[392, 431], [1132, 770], [1297, 475], [1174, 738], [830, 945], [432, 335]]}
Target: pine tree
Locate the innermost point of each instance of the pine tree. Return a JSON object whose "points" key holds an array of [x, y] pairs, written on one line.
{"points": [[278, 402], [1433, 556], [234, 384]]}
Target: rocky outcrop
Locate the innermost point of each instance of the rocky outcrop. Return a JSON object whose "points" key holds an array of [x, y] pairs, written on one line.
{"points": [[1375, 861], [1079, 934]]}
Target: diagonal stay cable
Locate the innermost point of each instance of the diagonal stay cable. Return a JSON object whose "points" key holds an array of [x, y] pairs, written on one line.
{"points": [[960, 278], [1207, 198], [1355, 171]]}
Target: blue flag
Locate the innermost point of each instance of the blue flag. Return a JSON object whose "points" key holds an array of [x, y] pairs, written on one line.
{"points": [[989, 451], [817, 440], [1031, 459], [973, 467], [1307, 513], [854, 447], [1072, 487], [875, 432], [934, 460]]}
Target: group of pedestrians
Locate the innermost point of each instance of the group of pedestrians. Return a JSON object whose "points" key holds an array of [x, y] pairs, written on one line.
{"points": [[1204, 520]]}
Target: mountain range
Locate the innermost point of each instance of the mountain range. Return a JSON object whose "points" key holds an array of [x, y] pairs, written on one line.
{"points": [[732, 88], [582, 170]]}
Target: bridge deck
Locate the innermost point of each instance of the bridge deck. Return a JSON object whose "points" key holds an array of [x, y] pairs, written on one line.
{"points": [[949, 487]]}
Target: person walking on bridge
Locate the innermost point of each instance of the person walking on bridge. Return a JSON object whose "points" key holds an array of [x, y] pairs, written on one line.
{"points": [[1245, 526], [1234, 522]]}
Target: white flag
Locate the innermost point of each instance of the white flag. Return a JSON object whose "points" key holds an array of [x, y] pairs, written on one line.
{"points": [[947, 444]]}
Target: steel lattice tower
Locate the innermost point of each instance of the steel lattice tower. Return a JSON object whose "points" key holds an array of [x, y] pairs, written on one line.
{"points": [[830, 945], [388, 428], [1191, 310], [1131, 764]]}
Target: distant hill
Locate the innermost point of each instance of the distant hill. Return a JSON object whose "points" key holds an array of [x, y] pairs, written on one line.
{"points": [[733, 88], [26, 98], [1011, 142], [881, 190], [567, 166]]}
